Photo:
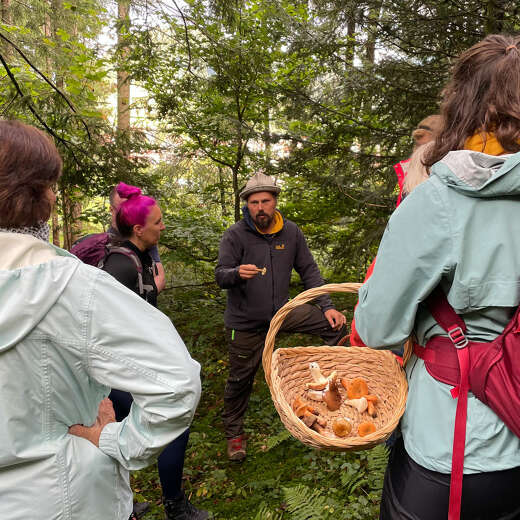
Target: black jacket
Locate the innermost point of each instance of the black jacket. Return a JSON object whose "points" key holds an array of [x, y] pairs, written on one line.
{"points": [[252, 303], [124, 270]]}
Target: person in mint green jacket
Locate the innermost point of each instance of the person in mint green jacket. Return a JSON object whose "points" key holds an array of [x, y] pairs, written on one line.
{"points": [[459, 229], [68, 333]]}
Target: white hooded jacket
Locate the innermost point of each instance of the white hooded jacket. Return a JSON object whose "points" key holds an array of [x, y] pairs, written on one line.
{"points": [[68, 333]]}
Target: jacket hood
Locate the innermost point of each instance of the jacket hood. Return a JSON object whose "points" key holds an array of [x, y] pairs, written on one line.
{"points": [[33, 275], [476, 174]]}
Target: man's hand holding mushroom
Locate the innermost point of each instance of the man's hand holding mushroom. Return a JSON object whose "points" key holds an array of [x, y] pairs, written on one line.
{"points": [[247, 271]]}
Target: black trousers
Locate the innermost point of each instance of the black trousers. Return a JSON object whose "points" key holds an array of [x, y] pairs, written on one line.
{"points": [[170, 463], [412, 492], [245, 355]]}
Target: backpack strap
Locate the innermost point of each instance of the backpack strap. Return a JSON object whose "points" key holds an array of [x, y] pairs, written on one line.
{"points": [[446, 316], [143, 289], [454, 325]]}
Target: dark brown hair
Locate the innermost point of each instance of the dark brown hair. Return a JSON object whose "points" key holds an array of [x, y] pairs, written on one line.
{"points": [[29, 166], [483, 95]]}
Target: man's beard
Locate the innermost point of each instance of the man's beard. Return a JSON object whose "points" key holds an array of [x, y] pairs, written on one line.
{"points": [[263, 223]]}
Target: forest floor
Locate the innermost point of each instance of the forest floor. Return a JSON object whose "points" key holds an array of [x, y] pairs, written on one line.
{"points": [[281, 478]]}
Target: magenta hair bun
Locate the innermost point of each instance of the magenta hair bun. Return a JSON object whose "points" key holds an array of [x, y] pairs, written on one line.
{"points": [[125, 191]]}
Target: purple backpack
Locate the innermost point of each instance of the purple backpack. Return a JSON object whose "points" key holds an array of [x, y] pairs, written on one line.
{"points": [[91, 249], [94, 249]]}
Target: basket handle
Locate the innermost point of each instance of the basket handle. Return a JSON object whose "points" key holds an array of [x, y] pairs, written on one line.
{"points": [[279, 317]]}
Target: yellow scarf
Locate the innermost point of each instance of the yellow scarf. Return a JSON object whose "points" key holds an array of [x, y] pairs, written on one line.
{"points": [[476, 143], [276, 225]]}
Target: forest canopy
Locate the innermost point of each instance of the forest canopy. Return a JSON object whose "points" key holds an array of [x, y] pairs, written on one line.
{"points": [[322, 95]]}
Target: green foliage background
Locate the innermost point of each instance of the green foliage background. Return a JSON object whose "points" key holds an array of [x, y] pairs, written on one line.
{"points": [[321, 94]]}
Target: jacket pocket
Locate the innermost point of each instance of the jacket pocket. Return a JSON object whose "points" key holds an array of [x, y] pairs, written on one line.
{"points": [[98, 486], [494, 294]]}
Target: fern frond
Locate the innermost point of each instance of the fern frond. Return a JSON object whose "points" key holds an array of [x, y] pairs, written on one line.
{"points": [[277, 439], [351, 475], [305, 504], [264, 513], [377, 460]]}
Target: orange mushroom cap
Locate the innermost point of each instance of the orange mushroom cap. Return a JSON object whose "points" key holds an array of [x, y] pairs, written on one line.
{"points": [[357, 388], [365, 428]]}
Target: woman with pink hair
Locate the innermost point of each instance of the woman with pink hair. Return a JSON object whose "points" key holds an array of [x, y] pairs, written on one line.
{"points": [[139, 222]]}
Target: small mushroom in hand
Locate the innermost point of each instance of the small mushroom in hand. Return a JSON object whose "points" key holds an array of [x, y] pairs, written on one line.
{"points": [[342, 427], [360, 404]]}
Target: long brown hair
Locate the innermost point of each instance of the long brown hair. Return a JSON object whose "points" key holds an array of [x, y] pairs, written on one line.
{"points": [[482, 96]]}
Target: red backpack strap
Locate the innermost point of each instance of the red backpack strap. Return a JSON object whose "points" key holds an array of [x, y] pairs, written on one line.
{"points": [[454, 325], [446, 316]]}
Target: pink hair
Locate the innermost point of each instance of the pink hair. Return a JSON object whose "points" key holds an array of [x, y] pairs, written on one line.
{"points": [[134, 210]]}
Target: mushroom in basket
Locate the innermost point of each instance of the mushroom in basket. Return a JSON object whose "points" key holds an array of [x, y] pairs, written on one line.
{"points": [[358, 396], [309, 416], [324, 388]]}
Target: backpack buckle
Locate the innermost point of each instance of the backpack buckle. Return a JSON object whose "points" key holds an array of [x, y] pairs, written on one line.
{"points": [[458, 338]]}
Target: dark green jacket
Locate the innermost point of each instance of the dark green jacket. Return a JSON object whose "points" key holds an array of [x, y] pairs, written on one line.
{"points": [[252, 303]]}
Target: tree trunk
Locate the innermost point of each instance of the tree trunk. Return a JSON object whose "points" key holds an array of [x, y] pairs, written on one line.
{"points": [[55, 227], [351, 35], [5, 48], [222, 192], [72, 226], [372, 28], [236, 194], [123, 81], [267, 142], [495, 11]]}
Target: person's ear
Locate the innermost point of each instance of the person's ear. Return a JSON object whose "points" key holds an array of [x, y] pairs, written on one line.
{"points": [[138, 230]]}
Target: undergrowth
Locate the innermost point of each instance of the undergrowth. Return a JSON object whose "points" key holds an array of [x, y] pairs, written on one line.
{"points": [[281, 478]]}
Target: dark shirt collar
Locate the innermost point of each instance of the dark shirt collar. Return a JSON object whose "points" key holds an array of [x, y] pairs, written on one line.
{"points": [[143, 255]]}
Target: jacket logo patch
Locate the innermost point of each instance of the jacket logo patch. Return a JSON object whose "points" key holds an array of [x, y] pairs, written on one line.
{"points": [[279, 246]]}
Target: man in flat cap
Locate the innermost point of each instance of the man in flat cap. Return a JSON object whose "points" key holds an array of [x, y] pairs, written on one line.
{"points": [[256, 258]]}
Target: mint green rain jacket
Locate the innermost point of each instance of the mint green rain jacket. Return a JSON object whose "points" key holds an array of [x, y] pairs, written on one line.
{"points": [[459, 229], [68, 333]]}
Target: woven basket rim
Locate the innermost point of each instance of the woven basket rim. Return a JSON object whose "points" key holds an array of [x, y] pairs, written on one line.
{"points": [[288, 417]]}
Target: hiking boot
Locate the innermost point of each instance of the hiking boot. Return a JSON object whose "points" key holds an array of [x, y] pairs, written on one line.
{"points": [[183, 509], [236, 448], [140, 508]]}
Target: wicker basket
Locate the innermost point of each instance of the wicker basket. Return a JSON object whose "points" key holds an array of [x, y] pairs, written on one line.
{"points": [[287, 371]]}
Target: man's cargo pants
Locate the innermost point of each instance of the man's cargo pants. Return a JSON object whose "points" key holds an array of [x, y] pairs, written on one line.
{"points": [[245, 355]]}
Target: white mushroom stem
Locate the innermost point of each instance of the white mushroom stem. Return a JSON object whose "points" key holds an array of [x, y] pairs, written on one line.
{"points": [[315, 395], [360, 404], [316, 373], [317, 385]]}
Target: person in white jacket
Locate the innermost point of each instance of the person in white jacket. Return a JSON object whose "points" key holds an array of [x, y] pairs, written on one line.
{"points": [[69, 333]]}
